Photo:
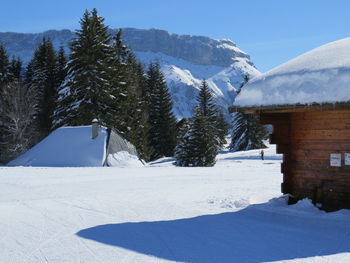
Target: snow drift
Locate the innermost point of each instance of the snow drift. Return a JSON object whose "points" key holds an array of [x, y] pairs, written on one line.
{"points": [[123, 159]]}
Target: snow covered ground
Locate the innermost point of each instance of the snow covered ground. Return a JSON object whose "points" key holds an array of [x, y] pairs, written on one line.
{"points": [[162, 213]]}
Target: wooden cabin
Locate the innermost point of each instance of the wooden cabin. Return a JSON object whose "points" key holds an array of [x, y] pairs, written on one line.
{"points": [[315, 143], [311, 122]]}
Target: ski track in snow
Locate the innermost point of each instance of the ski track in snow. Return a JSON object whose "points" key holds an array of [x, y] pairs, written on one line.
{"points": [[163, 213]]}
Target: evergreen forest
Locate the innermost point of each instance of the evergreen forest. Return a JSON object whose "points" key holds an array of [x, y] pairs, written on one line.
{"points": [[102, 78]]}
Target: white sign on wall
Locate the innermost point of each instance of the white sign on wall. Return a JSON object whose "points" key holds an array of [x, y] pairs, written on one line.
{"points": [[347, 158], [336, 159]]}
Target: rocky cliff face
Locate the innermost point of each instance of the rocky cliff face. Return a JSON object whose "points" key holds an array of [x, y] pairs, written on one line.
{"points": [[185, 61], [196, 49]]}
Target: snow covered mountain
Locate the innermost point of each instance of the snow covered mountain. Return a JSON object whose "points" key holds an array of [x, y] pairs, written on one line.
{"points": [[185, 60]]}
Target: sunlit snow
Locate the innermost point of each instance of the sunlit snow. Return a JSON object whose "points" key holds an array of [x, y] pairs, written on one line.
{"points": [[232, 212], [319, 76]]}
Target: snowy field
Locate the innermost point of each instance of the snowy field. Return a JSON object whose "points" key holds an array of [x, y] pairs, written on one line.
{"points": [[161, 213]]}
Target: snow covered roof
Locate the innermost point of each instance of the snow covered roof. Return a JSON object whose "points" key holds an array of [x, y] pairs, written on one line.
{"points": [[73, 147], [321, 75], [67, 147]]}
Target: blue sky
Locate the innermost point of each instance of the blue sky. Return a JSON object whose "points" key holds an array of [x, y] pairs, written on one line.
{"points": [[271, 31]]}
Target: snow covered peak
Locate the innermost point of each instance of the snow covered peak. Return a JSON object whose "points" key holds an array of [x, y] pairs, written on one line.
{"points": [[321, 75], [196, 49], [184, 79], [185, 60]]}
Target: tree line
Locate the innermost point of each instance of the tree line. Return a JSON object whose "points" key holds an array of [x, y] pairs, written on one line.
{"points": [[101, 78]]}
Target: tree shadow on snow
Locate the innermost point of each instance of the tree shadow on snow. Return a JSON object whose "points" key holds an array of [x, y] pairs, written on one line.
{"points": [[251, 235]]}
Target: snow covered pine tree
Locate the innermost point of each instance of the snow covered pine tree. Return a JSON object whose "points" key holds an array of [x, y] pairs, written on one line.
{"points": [[42, 79], [247, 133], [161, 119], [84, 94], [104, 81], [200, 144]]}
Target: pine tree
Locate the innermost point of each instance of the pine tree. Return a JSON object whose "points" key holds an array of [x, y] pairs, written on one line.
{"points": [[15, 69], [200, 144], [85, 92], [138, 117], [4, 78], [127, 111], [61, 67], [203, 140], [215, 116], [104, 81], [162, 122], [4, 66], [120, 90], [221, 128], [247, 133], [42, 79], [183, 147], [61, 74], [206, 103]]}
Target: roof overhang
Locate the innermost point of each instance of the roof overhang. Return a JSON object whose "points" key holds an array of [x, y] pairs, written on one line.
{"points": [[291, 108]]}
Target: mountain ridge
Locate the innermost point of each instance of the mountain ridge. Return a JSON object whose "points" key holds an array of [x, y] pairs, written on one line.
{"points": [[185, 60]]}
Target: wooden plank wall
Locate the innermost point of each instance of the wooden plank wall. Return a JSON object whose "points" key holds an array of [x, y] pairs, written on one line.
{"points": [[315, 135], [307, 139]]}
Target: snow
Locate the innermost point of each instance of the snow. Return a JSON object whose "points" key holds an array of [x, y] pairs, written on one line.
{"points": [[184, 79], [321, 75], [123, 159], [74, 147], [230, 46], [232, 212], [66, 146], [185, 60]]}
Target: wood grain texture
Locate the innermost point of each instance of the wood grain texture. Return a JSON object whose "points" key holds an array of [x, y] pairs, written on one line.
{"points": [[306, 139]]}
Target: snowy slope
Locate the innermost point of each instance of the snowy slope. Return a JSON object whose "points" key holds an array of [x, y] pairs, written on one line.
{"points": [[161, 213], [186, 61], [321, 75], [184, 80]]}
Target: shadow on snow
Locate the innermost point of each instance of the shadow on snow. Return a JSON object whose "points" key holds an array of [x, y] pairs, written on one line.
{"points": [[250, 235]]}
